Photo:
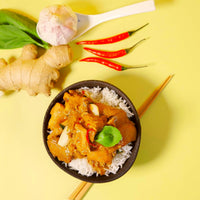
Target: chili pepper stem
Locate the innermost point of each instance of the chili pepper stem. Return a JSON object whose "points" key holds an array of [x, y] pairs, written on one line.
{"points": [[133, 47], [125, 68], [132, 32]]}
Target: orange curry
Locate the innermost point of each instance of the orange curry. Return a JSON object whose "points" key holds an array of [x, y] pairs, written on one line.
{"points": [[80, 122]]}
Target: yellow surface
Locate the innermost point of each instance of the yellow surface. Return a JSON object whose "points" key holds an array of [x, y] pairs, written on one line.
{"points": [[167, 166]]}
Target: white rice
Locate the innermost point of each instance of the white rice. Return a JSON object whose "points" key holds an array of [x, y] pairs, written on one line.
{"points": [[119, 159], [108, 97], [82, 166]]}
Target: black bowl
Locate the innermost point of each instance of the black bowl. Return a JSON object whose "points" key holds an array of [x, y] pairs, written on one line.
{"points": [[129, 162]]}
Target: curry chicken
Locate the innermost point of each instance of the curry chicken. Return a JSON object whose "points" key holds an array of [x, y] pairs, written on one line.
{"points": [[74, 125]]}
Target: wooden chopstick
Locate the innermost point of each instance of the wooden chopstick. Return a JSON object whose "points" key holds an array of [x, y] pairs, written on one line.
{"points": [[83, 191], [77, 190], [80, 191], [83, 187], [152, 97]]}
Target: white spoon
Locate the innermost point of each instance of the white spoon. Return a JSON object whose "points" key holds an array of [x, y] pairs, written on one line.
{"points": [[86, 22]]}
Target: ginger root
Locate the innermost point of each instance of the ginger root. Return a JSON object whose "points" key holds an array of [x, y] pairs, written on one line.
{"points": [[35, 75]]}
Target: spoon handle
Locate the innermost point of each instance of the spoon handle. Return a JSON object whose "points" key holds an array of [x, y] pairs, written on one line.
{"points": [[86, 22], [145, 6]]}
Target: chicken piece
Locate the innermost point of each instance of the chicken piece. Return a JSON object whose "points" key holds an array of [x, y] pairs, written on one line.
{"points": [[71, 119], [101, 155], [107, 110], [62, 153], [125, 126], [93, 121], [80, 139], [119, 119], [100, 159], [76, 101], [71, 103], [57, 117], [77, 154], [98, 167], [129, 133]]}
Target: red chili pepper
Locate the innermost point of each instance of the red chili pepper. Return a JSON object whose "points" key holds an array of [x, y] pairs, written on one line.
{"points": [[108, 63], [83, 92], [87, 137], [112, 54], [112, 39], [79, 120]]}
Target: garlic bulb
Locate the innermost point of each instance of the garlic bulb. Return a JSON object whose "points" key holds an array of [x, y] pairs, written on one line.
{"points": [[57, 25]]}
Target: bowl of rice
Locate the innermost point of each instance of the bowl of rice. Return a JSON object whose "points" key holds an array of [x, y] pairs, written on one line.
{"points": [[79, 166]]}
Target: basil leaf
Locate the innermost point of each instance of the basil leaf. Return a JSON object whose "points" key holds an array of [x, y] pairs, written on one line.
{"points": [[23, 23], [109, 136], [19, 21], [12, 37]]}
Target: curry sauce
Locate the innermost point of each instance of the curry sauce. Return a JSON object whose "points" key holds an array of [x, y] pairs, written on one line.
{"points": [[74, 125]]}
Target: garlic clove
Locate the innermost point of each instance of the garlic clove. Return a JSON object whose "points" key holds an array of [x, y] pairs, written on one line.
{"points": [[64, 138], [94, 109]]}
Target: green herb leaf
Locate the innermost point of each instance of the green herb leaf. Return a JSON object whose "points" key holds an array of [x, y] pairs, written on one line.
{"points": [[19, 21], [62, 126], [22, 23], [12, 37], [109, 136]]}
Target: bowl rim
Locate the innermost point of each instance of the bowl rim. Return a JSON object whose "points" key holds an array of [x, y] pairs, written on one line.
{"points": [[136, 144]]}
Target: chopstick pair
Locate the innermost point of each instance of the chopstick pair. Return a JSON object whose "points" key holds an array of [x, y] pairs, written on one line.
{"points": [[83, 187], [80, 191]]}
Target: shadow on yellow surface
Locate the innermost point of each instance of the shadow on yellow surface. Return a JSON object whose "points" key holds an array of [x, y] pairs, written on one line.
{"points": [[86, 8], [63, 76], [90, 8], [21, 12], [156, 121], [155, 131], [163, 1]]}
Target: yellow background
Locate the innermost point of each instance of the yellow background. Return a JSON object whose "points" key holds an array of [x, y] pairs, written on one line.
{"points": [[167, 166]]}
